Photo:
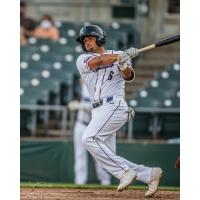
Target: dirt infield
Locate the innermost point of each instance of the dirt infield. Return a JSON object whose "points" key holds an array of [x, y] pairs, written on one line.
{"points": [[92, 194]]}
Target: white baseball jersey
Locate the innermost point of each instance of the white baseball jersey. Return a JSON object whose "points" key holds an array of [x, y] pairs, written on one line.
{"points": [[102, 82], [84, 114]]}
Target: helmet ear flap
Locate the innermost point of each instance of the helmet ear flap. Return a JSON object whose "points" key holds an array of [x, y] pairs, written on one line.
{"points": [[101, 39]]}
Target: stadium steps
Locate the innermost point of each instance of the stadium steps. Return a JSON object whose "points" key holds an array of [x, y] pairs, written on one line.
{"points": [[149, 64], [171, 23]]}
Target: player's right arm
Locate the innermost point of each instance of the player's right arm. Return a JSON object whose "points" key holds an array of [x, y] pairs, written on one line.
{"points": [[89, 62], [107, 59], [102, 60]]}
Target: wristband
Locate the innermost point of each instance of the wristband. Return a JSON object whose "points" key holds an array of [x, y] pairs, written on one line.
{"points": [[123, 67]]}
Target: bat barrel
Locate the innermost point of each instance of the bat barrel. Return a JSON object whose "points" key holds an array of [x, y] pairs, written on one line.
{"points": [[169, 40]]}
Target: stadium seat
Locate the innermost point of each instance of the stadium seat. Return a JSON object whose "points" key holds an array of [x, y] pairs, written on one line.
{"points": [[29, 74], [145, 102], [39, 42], [24, 82], [159, 93], [62, 49], [172, 103], [26, 52], [31, 95], [50, 84], [39, 65], [52, 57], [63, 76]]}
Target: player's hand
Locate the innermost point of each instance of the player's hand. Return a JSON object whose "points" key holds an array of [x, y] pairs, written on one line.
{"points": [[123, 57], [132, 52]]}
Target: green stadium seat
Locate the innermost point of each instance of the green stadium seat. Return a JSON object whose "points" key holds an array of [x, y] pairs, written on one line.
{"points": [[70, 33], [145, 102], [32, 95], [70, 67], [28, 100], [172, 103], [159, 93], [25, 55], [48, 42], [50, 84], [168, 84], [174, 75], [52, 57], [24, 82], [29, 74], [39, 65], [63, 76], [62, 49], [68, 25]]}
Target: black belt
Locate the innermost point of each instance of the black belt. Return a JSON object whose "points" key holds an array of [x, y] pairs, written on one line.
{"points": [[83, 122], [99, 103]]}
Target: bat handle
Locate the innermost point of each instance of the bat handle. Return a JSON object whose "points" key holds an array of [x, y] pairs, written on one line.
{"points": [[147, 48]]}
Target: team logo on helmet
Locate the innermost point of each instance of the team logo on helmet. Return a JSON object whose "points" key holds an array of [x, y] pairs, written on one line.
{"points": [[82, 31]]}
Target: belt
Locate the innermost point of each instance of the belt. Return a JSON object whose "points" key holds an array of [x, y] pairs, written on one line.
{"points": [[85, 99], [101, 102], [83, 122]]}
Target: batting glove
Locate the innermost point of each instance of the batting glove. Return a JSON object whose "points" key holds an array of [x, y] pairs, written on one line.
{"points": [[132, 52], [123, 58]]}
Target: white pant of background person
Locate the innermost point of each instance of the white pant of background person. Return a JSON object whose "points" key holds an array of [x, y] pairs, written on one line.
{"points": [[80, 152], [100, 139], [81, 159]]}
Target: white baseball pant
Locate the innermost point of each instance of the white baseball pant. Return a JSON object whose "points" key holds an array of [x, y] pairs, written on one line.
{"points": [[81, 159], [100, 139]]}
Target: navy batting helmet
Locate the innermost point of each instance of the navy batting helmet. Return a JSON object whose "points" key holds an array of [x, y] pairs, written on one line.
{"points": [[92, 30]]}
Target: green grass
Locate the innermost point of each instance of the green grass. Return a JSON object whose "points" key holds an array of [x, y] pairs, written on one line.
{"points": [[87, 186]]}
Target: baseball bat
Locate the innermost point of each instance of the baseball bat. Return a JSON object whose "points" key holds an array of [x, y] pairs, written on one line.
{"points": [[164, 42]]}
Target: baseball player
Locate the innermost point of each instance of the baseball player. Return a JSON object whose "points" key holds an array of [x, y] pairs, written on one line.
{"points": [[104, 72], [80, 152]]}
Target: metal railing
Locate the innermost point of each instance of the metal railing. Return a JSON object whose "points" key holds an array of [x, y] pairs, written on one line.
{"points": [[46, 109], [155, 112], [64, 110]]}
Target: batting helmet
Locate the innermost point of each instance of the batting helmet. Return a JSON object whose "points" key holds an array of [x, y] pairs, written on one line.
{"points": [[92, 30]]}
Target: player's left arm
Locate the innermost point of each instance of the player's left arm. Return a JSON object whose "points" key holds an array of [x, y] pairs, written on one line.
{"points": [[127, 72]]}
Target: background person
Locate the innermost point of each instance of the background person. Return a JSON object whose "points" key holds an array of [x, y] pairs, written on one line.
{"points": [[46, 29], [80, 152]]}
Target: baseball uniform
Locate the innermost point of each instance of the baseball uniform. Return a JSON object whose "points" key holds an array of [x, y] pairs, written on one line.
{"points": [[109, 114]]}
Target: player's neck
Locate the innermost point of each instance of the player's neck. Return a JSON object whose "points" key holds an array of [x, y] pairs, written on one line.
{"points": [[100, 50]]}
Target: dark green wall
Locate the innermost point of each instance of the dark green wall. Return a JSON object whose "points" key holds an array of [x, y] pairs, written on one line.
{"points": [[52, 161]]}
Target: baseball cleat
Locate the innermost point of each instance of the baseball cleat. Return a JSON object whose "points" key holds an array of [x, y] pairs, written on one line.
{"points": [[127, 178], [156, 175]]}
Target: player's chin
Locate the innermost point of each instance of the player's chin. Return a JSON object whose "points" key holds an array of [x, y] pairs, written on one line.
{"points": [[90, 49]]}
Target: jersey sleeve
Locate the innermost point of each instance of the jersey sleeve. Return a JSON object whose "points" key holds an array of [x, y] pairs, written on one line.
{"points": [[82, 62]]}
